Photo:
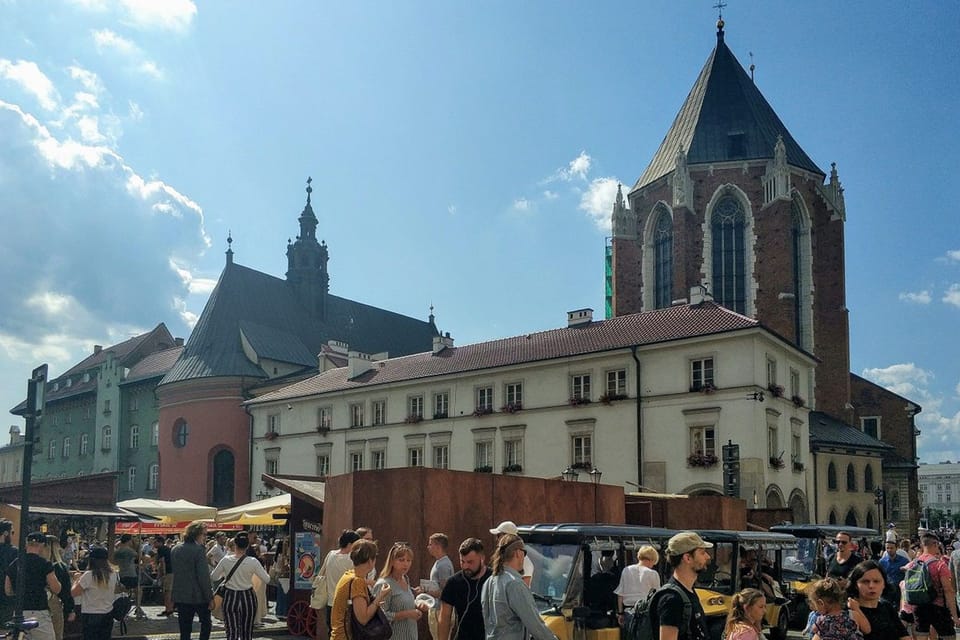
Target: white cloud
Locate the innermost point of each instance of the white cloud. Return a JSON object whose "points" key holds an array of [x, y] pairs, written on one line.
{"points": [[188, 317], [954, 256], [597, 201], [107, 40], [952, 295], [521, 204], [906, 379], [28, 75], [90, 129], [452, 209], [88, 79], [134, 112], [550, 195], [195, 285], [150, 68], [919, 297], [957, 389], [52, 303], [173, 15]]}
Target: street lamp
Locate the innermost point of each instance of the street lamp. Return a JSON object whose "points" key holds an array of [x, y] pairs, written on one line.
{"points": [[595, 475], [880, 495], [570, 474]]}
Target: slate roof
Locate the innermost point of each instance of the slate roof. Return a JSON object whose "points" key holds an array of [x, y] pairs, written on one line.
{"points": [[154, 365], [723, 100], [279, 327], [825, 430], [650, 327]]}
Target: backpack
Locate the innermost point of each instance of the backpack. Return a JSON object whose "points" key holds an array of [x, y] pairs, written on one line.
{"points": [[641, 625], [121, 607], [918, 583]]}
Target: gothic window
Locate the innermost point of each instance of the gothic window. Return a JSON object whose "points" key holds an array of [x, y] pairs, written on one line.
{"points": [[833, 517], [851, 478], [851, 519], [223, 473], [728, 224], [800, 238], [868, 478], [832, 477], [663, 260]]}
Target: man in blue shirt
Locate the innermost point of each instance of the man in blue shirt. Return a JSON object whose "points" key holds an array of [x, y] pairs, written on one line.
{"points": [[892, 564]]}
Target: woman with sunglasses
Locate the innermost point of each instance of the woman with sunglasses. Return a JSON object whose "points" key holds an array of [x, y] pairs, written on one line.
{"points": [[400, 606], [509, 612]]}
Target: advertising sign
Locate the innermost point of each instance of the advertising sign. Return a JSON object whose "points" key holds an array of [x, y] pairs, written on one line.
{"points": [[307, 560]]}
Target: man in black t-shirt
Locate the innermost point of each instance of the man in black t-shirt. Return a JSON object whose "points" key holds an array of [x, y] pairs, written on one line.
{"points": [[8, 553], [38, 575], [687, 553], [164, 573], [461, 595], [844, 560]]}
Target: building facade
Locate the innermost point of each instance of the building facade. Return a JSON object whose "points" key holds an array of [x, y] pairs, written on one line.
{"points": [[258, 332], [645, 400], [732, 204], [100, 415], [940, 493]]}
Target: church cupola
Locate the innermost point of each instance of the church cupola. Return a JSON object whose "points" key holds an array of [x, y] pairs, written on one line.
{"points": [[307, 262]]}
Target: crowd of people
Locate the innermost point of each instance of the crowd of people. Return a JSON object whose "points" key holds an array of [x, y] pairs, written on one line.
{"points": [[64, 576]]}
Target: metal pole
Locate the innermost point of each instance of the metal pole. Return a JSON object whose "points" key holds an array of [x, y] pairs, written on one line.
{"points": [[35, 389]]}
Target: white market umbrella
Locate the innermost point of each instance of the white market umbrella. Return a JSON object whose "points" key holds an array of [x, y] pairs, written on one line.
{"points": [[169, 511], [260, 512]]}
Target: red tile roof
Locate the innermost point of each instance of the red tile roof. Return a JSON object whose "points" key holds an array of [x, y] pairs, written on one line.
{"points": [[651, 327]]}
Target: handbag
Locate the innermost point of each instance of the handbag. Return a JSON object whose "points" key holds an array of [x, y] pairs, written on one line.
{"points": [[377, 628], [319, 597], [222, 589]]}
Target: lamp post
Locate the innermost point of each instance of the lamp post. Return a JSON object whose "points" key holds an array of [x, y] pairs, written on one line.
{"points": [[880, 495], [595, 478], [570, 474]]}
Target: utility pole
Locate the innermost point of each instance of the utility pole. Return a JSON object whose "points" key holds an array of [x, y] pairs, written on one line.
{"points": [[36, 386]]}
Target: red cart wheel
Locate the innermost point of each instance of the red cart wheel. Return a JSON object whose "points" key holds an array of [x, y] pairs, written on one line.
{"points": [[302, 620]]}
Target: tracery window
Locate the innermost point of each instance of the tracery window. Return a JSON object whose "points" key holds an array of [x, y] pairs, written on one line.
{"points": [[728, 223], [663, 260]]}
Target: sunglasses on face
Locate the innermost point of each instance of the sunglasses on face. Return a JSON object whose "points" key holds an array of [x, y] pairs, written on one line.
{"points": [[842, 541]]}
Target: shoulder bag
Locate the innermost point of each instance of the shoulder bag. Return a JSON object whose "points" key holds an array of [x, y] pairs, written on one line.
{"points": [[377, 628], [320, 595], [222, 589]]}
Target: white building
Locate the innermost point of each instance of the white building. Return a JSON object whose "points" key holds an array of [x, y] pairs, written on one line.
{"points": [[940, 488], [648, 399]]}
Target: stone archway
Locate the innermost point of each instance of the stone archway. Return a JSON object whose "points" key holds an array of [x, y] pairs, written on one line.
{"points": [[223, 479], [774, 497], [798, 505]]}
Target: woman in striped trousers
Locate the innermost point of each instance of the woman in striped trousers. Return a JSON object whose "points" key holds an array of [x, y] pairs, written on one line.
{"points": [[239, 601]]}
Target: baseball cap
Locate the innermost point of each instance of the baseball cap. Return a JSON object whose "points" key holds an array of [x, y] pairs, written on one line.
{"points": [[98, 553], [685, 542], [505, 527], [37, 537], [890, 525]]}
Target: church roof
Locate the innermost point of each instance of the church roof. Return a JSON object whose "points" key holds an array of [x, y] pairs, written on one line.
{"points": [[265, 310], [650, 327], [725, 117]]}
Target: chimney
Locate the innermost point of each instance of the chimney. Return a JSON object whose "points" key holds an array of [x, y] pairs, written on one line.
{"points": [[97, 348], [15, 437], [178, 342], [699, 294], [442, 342], [579, 318], [358, 363]]}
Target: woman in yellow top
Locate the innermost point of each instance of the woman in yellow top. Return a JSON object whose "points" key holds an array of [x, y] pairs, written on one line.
{"points": [[352, 587]]}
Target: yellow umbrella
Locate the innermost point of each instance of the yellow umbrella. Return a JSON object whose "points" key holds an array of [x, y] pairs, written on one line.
{"points": [[260, 512]]}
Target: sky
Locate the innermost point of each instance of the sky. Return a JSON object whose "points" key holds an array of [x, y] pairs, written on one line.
{"points": [[463, 155]]}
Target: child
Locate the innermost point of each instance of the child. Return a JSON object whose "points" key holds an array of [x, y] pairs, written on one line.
{"points": [[833, 623], [811, 620]]}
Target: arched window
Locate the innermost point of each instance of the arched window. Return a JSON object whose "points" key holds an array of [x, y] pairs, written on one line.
{"points": [[800, 245], [832, 476], [134, 437], [223, 473], [868, 478], [181, 431], [106, 438], [851, 478], [154, 477], [851, 519], [870, 523], [663, 259], [155, 434], [833, 517], [728, 223]]}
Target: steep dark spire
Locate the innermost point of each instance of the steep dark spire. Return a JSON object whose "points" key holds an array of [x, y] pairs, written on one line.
{"points": [[724, 118]]}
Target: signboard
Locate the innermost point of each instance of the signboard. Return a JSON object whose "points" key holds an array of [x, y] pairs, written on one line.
{"points": [[158, 529], [308, 558]]}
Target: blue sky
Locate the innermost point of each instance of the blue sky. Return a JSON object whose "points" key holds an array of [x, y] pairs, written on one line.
{"points": [[464, 155]]}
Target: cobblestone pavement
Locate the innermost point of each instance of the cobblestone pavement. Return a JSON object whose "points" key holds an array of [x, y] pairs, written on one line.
{"points": [[156, 627]]}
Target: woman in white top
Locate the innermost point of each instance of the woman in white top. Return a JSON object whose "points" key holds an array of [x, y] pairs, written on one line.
{"points": [[98, 587], [239, 601], [636, 583]]}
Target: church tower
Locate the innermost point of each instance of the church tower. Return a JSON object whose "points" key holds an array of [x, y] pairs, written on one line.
{"points": [[307, 263], [731, 203]]}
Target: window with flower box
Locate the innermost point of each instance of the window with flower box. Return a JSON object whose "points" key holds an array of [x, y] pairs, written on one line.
{"points": [[483, 455], [581, 451], [415, 457], [356, 461], [701, 374], [441, 405], [378, 458], [356, 414], [379, 408], [771, 372], [513, 454], [703, 441], [415, 408], [273, 423], [513, 395], [795, 383], [485, 399], [616, 383], [580, 387]]}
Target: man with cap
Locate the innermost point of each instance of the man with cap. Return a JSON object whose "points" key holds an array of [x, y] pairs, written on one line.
{"points": [[38, 575], [687, 554], [8, 553], [504, 528]]}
